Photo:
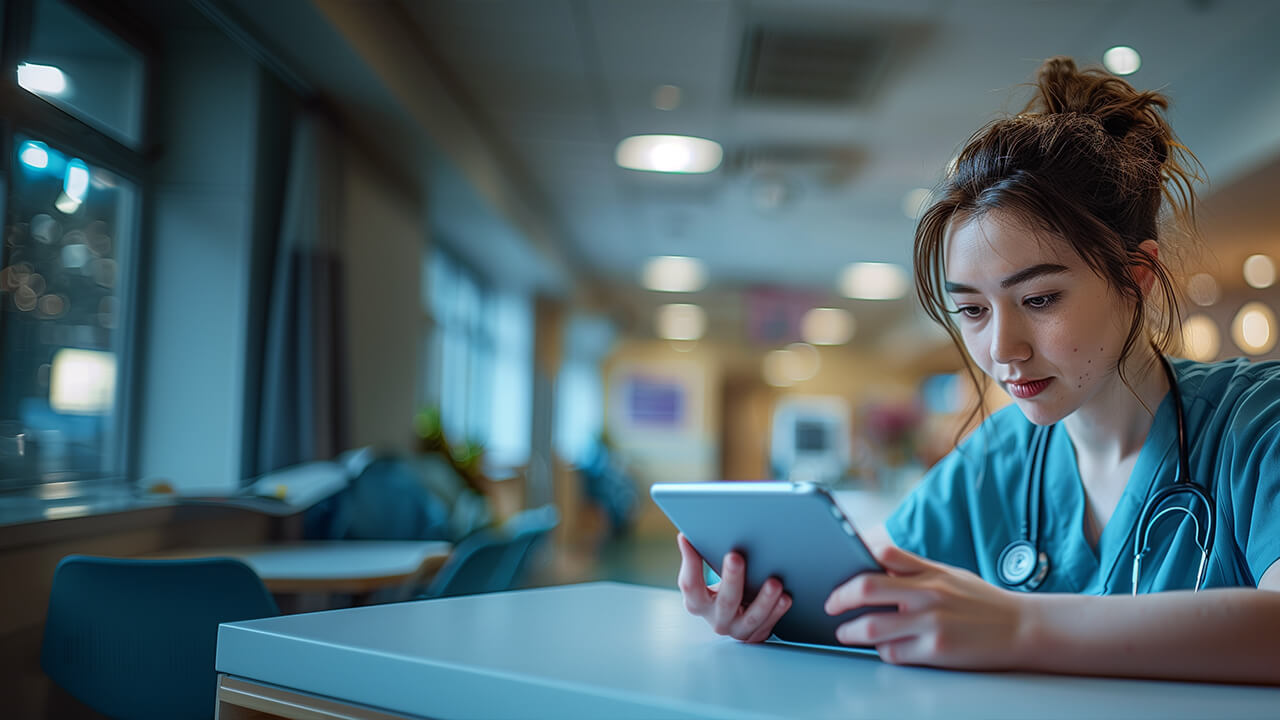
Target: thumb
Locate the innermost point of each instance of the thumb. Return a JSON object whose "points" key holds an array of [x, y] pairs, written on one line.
{"points": [[897, 561]]}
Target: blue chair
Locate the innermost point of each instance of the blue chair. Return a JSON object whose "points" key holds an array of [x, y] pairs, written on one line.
{"points": [[137, 638], [470, 566], [527, 530]]}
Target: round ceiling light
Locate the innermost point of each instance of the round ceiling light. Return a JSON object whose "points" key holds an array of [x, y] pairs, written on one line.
{"points": [[1202, 289], [1254, 328], [681, 321], [873, 281], [1200, 338], [827, 326], [1122, 60], [669, 154], [1259, 271], [674, 273]]}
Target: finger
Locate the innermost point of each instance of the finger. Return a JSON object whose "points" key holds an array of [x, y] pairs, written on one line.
{"points": [[780, 608], [728, 601], [879, 628], [697, 596], [897, 561], [873, 588], [758, 611]]}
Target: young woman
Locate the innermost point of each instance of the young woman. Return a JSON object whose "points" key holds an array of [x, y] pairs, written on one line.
{"points": [[1042, 259]]}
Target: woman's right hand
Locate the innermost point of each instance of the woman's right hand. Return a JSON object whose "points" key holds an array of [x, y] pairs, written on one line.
{"points": [[721, 604]]}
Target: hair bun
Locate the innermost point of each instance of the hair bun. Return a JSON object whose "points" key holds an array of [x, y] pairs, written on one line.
{"points": [[1114, 103]]}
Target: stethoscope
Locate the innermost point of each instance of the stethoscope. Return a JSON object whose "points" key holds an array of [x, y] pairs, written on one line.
{"points": [[1023, 565]]}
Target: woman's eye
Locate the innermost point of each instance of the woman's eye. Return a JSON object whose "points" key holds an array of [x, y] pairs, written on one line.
{"points": [[1039, 302], [970, 311]]}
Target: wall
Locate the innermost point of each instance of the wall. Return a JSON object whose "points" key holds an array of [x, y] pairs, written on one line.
{"points": [[196, 300], [383, 240]]}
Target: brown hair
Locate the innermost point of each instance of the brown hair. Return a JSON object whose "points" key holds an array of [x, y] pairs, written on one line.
{"points": [[1089, 160]]}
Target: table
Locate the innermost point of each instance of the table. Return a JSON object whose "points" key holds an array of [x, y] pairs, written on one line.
{"points": [[626, 651], [356, 567]]}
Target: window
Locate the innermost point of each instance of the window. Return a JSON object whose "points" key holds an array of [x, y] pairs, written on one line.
{"points": [[80, 67], [478, 366], [71, 214]]}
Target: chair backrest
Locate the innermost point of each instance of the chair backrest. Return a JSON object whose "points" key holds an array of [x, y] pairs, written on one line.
{"points": [[471, 565], [137, 638], [527, 530]]}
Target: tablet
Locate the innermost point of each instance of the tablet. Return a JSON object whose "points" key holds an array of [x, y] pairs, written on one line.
{"points": [[792, 531]]}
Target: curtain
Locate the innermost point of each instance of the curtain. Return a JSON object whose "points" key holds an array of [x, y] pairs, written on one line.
{"points": [[304, 406]]}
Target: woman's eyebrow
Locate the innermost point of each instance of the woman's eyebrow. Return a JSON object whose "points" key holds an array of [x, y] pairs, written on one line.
{"points": [[1021, 276]]}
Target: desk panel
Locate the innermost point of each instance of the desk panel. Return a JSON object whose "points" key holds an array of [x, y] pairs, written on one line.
{"points": [[606, 649]]}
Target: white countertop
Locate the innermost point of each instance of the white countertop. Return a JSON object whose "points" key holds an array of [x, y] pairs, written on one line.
{"points": [[612, 650]]}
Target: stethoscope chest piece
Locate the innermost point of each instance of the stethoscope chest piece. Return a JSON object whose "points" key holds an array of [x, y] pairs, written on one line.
{"points": [[1021, 566]]}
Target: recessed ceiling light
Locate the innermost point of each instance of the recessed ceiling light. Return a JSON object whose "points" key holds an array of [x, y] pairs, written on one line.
{"points": [[669, 154], [1200, 338], [1202, 289], [674, 273], [915, 202], [827, 326], [681, 321], [666, 97], [1122, 60], [1254, 328], [1259, 271], [873, 281]]}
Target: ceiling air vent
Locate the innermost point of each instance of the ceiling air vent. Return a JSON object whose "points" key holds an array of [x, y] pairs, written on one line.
{"points": [[832, 165], [812, 66]]}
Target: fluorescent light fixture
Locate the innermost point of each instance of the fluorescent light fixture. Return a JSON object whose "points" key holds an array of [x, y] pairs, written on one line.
{"points": [[827, 326], [873, 281], [681, 321], [34, 155], [42, 79], [915, 202], [1254, 328], [82, 382], [674, 273], [1203, 290], [669, 154], [1259, 271], [1200, 338], [76, 183], [1122, 60]]}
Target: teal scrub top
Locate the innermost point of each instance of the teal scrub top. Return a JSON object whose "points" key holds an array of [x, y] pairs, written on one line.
{"points": [[971, 504]]}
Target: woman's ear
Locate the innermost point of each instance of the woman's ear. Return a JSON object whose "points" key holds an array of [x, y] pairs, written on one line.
{"points": [[1142, 273]]}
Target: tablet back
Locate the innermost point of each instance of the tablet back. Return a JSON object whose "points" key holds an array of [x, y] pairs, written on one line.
{"points": [[792, 531]]}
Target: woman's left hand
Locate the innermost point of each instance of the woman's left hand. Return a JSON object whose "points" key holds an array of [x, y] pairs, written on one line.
{"points": [[947, 617]]}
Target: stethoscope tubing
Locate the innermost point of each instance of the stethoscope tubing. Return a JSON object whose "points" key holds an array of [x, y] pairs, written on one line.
{"points": [[1030, 578]]}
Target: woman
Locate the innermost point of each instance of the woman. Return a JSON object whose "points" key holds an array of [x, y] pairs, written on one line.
{"points": [[1042, 259]]}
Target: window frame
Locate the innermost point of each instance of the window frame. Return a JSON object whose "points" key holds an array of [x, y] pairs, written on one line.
{"points": [[25, 113]]}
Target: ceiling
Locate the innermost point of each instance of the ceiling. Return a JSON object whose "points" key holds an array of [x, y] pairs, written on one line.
{"points": [[549, 87]]}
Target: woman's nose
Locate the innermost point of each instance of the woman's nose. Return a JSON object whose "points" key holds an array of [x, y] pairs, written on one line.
{"points": [[1009, 341]]}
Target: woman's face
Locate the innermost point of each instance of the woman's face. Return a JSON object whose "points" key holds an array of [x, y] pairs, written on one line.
{"points": [[1033, 316]]}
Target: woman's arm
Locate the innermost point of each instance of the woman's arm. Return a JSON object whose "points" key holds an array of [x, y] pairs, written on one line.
{"points": [[1227, 635], [952, 618]]}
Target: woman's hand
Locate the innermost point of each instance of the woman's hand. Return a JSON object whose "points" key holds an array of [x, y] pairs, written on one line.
{"points": [[721, 604], [947, 617]]}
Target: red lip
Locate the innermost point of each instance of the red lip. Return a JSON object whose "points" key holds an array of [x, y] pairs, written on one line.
{"points": [[1029, 389]]}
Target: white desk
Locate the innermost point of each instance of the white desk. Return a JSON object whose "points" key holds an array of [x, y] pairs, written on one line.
{"points": [[333, 566], [624, 651]]}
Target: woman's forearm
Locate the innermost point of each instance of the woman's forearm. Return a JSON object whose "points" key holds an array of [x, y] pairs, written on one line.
{"points": [[1228, 635]]}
